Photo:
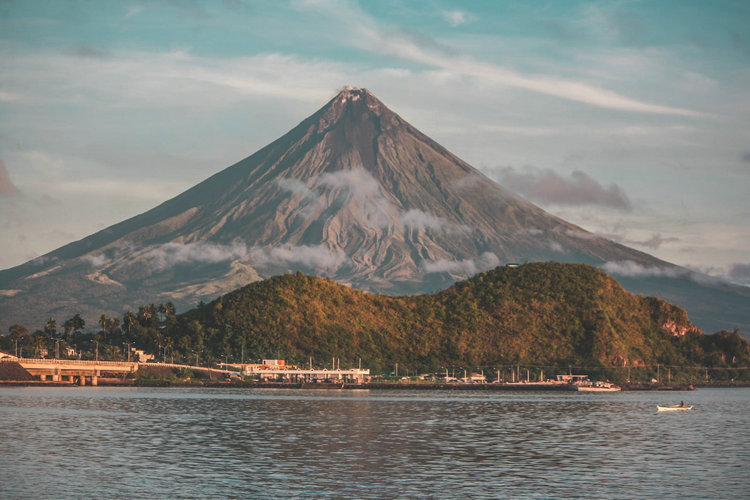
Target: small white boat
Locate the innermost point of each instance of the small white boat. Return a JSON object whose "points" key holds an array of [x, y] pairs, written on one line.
{"points": [[673, 408], [588, 386]]}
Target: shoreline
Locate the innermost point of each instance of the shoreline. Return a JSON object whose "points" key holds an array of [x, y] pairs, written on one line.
{"points": [[368, 386]]}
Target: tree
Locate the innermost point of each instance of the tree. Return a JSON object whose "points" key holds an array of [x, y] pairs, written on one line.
{"points": [[103, 322], [17, 332], [50, 328], [113, 326], [128, 320], [78, 323]]}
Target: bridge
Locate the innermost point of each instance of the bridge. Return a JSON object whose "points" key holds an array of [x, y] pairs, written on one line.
{"points": [[88, 372], [85, 372]]}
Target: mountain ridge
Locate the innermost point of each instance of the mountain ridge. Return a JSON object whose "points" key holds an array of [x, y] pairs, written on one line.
{"points": [[353, 192]]}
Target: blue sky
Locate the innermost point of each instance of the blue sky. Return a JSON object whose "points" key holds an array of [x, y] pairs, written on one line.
{"points": [[629, 118]]}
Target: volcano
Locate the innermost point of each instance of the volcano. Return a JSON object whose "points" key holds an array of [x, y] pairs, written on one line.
{"points": [[354, 193]]}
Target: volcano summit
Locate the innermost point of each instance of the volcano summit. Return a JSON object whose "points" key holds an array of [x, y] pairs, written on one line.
{"points": [[353, 192]]}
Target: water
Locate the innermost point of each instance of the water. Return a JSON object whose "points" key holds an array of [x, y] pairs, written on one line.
{"points": [[229, 443]]}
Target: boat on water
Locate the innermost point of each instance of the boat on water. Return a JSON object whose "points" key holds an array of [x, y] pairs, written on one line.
{"points": [[582, 383], [588, 386], [680, 407]]}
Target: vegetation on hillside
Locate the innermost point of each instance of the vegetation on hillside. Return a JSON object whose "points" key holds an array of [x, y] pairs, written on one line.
{"points": [[537, 314], [543, 314]]}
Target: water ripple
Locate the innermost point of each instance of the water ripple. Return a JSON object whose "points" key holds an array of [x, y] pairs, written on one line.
{"points": [[188, 443]]}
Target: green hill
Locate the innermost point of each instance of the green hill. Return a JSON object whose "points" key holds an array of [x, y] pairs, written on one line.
{"points": [[547, 314]]}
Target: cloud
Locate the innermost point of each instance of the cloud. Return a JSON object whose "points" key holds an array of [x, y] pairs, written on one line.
{"points": [[311, 201], [548, 187], [173, 254], [362, 194], [369, 35], [357, 180], [654, 242], [632, 269], [313, 256], [745, 157], [417, 219], [97, 260], [7, 188], [556, 247], [456, 17], [739, 273], [465, 267], [295, 186], [581, 235]]}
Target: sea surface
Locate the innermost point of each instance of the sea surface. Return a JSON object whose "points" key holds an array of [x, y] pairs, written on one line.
{"points": [[99, 442]]}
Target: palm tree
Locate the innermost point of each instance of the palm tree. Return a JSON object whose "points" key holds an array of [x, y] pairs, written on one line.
{"points": [[103, 322], [50, 328], [128, 320]]}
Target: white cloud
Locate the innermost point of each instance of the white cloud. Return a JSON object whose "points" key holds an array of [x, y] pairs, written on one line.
{"points": [[173, 254], [362, 195], [418, 219], [358, 181], [295, 186], [555, 246], [369, 35], [96, 260], [312, 256], [634, 270], [465, 267], [457, 17]]}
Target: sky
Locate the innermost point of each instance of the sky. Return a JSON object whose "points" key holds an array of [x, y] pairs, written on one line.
{"points": [[628, 118]]}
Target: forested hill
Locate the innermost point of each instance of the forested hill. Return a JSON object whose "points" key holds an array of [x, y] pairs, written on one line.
{"points": [[543, 313]]}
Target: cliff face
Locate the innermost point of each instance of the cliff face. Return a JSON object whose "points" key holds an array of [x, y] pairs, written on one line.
{"points": [[671, 318]]}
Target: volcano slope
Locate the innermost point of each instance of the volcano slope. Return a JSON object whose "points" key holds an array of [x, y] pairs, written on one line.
{"points": [[354, 193]]}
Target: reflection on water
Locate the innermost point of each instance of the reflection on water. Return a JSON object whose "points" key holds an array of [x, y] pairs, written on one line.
{"points": [[188, 443]]}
